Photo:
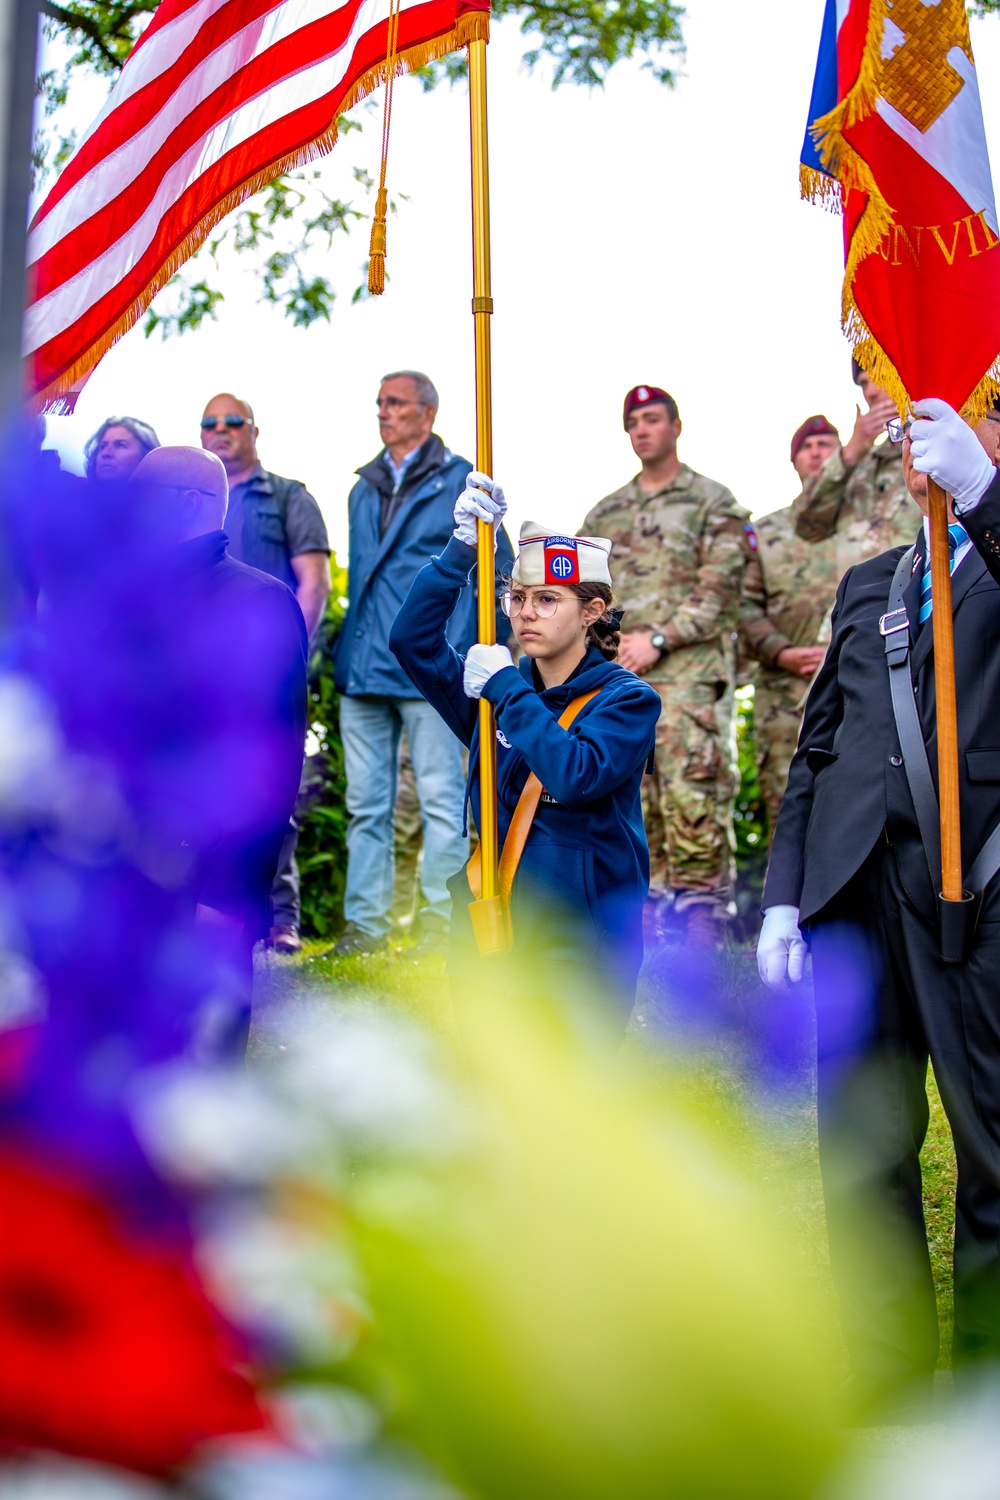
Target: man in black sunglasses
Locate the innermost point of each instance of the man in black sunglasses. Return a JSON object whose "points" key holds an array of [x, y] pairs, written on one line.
{"points": [[273, 524]]}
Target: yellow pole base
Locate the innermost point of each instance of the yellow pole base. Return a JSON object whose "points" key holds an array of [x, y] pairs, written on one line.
{"points": [[491, 926]]}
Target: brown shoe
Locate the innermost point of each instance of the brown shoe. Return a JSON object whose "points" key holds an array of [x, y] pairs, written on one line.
{"points": [[285, 939], [706, 927]]}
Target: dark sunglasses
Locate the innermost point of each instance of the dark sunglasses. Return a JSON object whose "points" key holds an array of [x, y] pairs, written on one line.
{"points": [[231, 419]]}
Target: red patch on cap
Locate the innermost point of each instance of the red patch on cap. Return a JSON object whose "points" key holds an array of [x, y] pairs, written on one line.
{"points": [[562, 561]]}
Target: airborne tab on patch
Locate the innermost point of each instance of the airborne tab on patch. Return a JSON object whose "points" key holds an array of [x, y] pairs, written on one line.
{"points": [[562, 564]]}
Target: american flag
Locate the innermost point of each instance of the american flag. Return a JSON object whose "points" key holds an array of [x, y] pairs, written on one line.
{"points": [[216, 99]]}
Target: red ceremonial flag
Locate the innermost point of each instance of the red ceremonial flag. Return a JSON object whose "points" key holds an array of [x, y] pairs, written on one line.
{"points": [[896, 140], [216, 99]]}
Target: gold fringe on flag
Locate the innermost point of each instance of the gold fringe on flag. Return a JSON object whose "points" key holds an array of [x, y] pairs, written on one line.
{"points": [[60, 393]]}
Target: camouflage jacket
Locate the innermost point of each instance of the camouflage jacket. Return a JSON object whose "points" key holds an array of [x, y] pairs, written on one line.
{"points": [[788, 589], [677, 563], [865, 510]]}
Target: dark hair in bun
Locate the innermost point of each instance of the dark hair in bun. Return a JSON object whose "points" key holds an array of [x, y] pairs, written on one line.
{"points": [[605, 633]]}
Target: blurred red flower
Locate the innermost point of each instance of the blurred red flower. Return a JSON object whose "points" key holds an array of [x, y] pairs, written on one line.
{"points": [[109, 1347]]}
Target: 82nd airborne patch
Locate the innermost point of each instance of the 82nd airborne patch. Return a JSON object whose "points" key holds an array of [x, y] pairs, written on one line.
{"points": [[562, 562]]}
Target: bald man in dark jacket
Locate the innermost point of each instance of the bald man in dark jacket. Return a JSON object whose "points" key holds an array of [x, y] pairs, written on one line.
{"points": [[220, 720]]}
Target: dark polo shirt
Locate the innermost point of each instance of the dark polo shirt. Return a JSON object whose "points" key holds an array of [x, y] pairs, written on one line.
{"points": [[270, 520]]}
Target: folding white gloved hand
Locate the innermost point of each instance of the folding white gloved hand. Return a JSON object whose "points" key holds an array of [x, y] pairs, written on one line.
{"points": [[948, 450], [481, 500], [482, 663], [781, 948]]}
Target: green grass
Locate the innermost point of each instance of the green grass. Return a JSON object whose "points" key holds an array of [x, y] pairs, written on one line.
{"points": [[938, 1163], [773, 1129]]}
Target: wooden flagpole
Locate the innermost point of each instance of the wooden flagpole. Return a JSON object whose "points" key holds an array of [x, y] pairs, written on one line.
{"points": [[944, 689], [490, 919]]}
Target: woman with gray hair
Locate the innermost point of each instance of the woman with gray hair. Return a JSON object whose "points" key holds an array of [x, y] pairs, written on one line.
{"points": [[118, 447]]}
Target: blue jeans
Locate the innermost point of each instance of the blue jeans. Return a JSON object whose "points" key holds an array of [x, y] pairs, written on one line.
{"points": [[370, 729]]}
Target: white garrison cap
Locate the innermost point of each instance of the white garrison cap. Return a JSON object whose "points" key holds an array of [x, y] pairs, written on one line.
{"points": [[544, 557]]}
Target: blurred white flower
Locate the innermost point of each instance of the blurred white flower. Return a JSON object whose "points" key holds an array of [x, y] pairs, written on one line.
{"points": [[370, 1074], [281, 1475], [216, 1126], [958, 1458], [324, 1419], [52, 1478], [30, 743], [22, 998], [297, 1286]]}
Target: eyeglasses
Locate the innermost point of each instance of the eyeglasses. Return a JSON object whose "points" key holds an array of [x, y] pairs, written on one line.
{"points": [[897, 428], [543, 605], [231, 419], [180, 489]]}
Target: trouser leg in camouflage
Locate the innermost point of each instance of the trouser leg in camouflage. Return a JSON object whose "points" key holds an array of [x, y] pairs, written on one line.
{"points": [[687, 802], [777, 718]]}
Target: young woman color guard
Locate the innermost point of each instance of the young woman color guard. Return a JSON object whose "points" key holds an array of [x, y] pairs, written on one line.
{"points": [[570, 714]]}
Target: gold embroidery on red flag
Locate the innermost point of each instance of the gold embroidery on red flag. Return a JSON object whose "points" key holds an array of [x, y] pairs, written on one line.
{"points": [[918, 79]]}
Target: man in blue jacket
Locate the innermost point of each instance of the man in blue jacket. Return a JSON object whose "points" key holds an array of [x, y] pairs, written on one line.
{"points": [[401, 514]]}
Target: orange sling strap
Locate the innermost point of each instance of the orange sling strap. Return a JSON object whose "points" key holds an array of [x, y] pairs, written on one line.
{"points": [[521, 821]]}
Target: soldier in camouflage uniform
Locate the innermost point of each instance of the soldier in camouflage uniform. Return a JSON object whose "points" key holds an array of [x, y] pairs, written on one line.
{"points": [[858, 499], [680, 551], [788, 590]]}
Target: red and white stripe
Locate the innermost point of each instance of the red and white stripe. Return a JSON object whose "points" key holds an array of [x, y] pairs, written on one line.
{"points": [[217, 97]]}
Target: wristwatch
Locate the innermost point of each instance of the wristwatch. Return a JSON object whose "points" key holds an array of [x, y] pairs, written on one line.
{"points": [[659, 640]]}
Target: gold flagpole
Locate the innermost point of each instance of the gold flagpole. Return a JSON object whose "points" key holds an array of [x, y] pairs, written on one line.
{"points": [[944, 690], [490, 919], [957, 908]]}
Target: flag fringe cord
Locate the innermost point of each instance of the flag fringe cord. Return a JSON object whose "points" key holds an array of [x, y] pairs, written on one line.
{"points": [[874, 360], [59, 396]]}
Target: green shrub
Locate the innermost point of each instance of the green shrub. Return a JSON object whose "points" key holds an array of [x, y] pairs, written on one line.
{"points": [[749, 825], [749, 817]]}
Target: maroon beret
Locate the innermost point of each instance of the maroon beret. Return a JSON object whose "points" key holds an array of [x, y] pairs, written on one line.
{"points": [[647, 395], [813, 427]]}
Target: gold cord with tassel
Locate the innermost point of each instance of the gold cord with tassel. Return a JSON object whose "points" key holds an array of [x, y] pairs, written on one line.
{"points": [[376, 250]]}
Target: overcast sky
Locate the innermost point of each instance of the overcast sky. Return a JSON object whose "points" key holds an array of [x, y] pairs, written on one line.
{"points": [[639, 235]]}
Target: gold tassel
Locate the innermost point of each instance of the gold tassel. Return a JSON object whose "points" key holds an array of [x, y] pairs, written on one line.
{"points": [[376, 250]]}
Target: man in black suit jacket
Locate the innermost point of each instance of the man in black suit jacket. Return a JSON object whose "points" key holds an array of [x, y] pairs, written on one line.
{"points": [[849, 870]]}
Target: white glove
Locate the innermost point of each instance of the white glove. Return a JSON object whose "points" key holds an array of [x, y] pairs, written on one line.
{"points": [[781, 948], [482, 663], [481, 500], [948, 450]]}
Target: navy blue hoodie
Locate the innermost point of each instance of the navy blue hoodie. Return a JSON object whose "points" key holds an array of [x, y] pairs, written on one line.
{"points": [[584, 874]]}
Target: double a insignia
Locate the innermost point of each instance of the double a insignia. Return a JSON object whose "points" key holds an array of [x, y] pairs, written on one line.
{"points": [[918, 79]]}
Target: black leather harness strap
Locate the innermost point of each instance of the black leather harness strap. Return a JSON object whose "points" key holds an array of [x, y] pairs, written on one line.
{"points": [[895, 627]]}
